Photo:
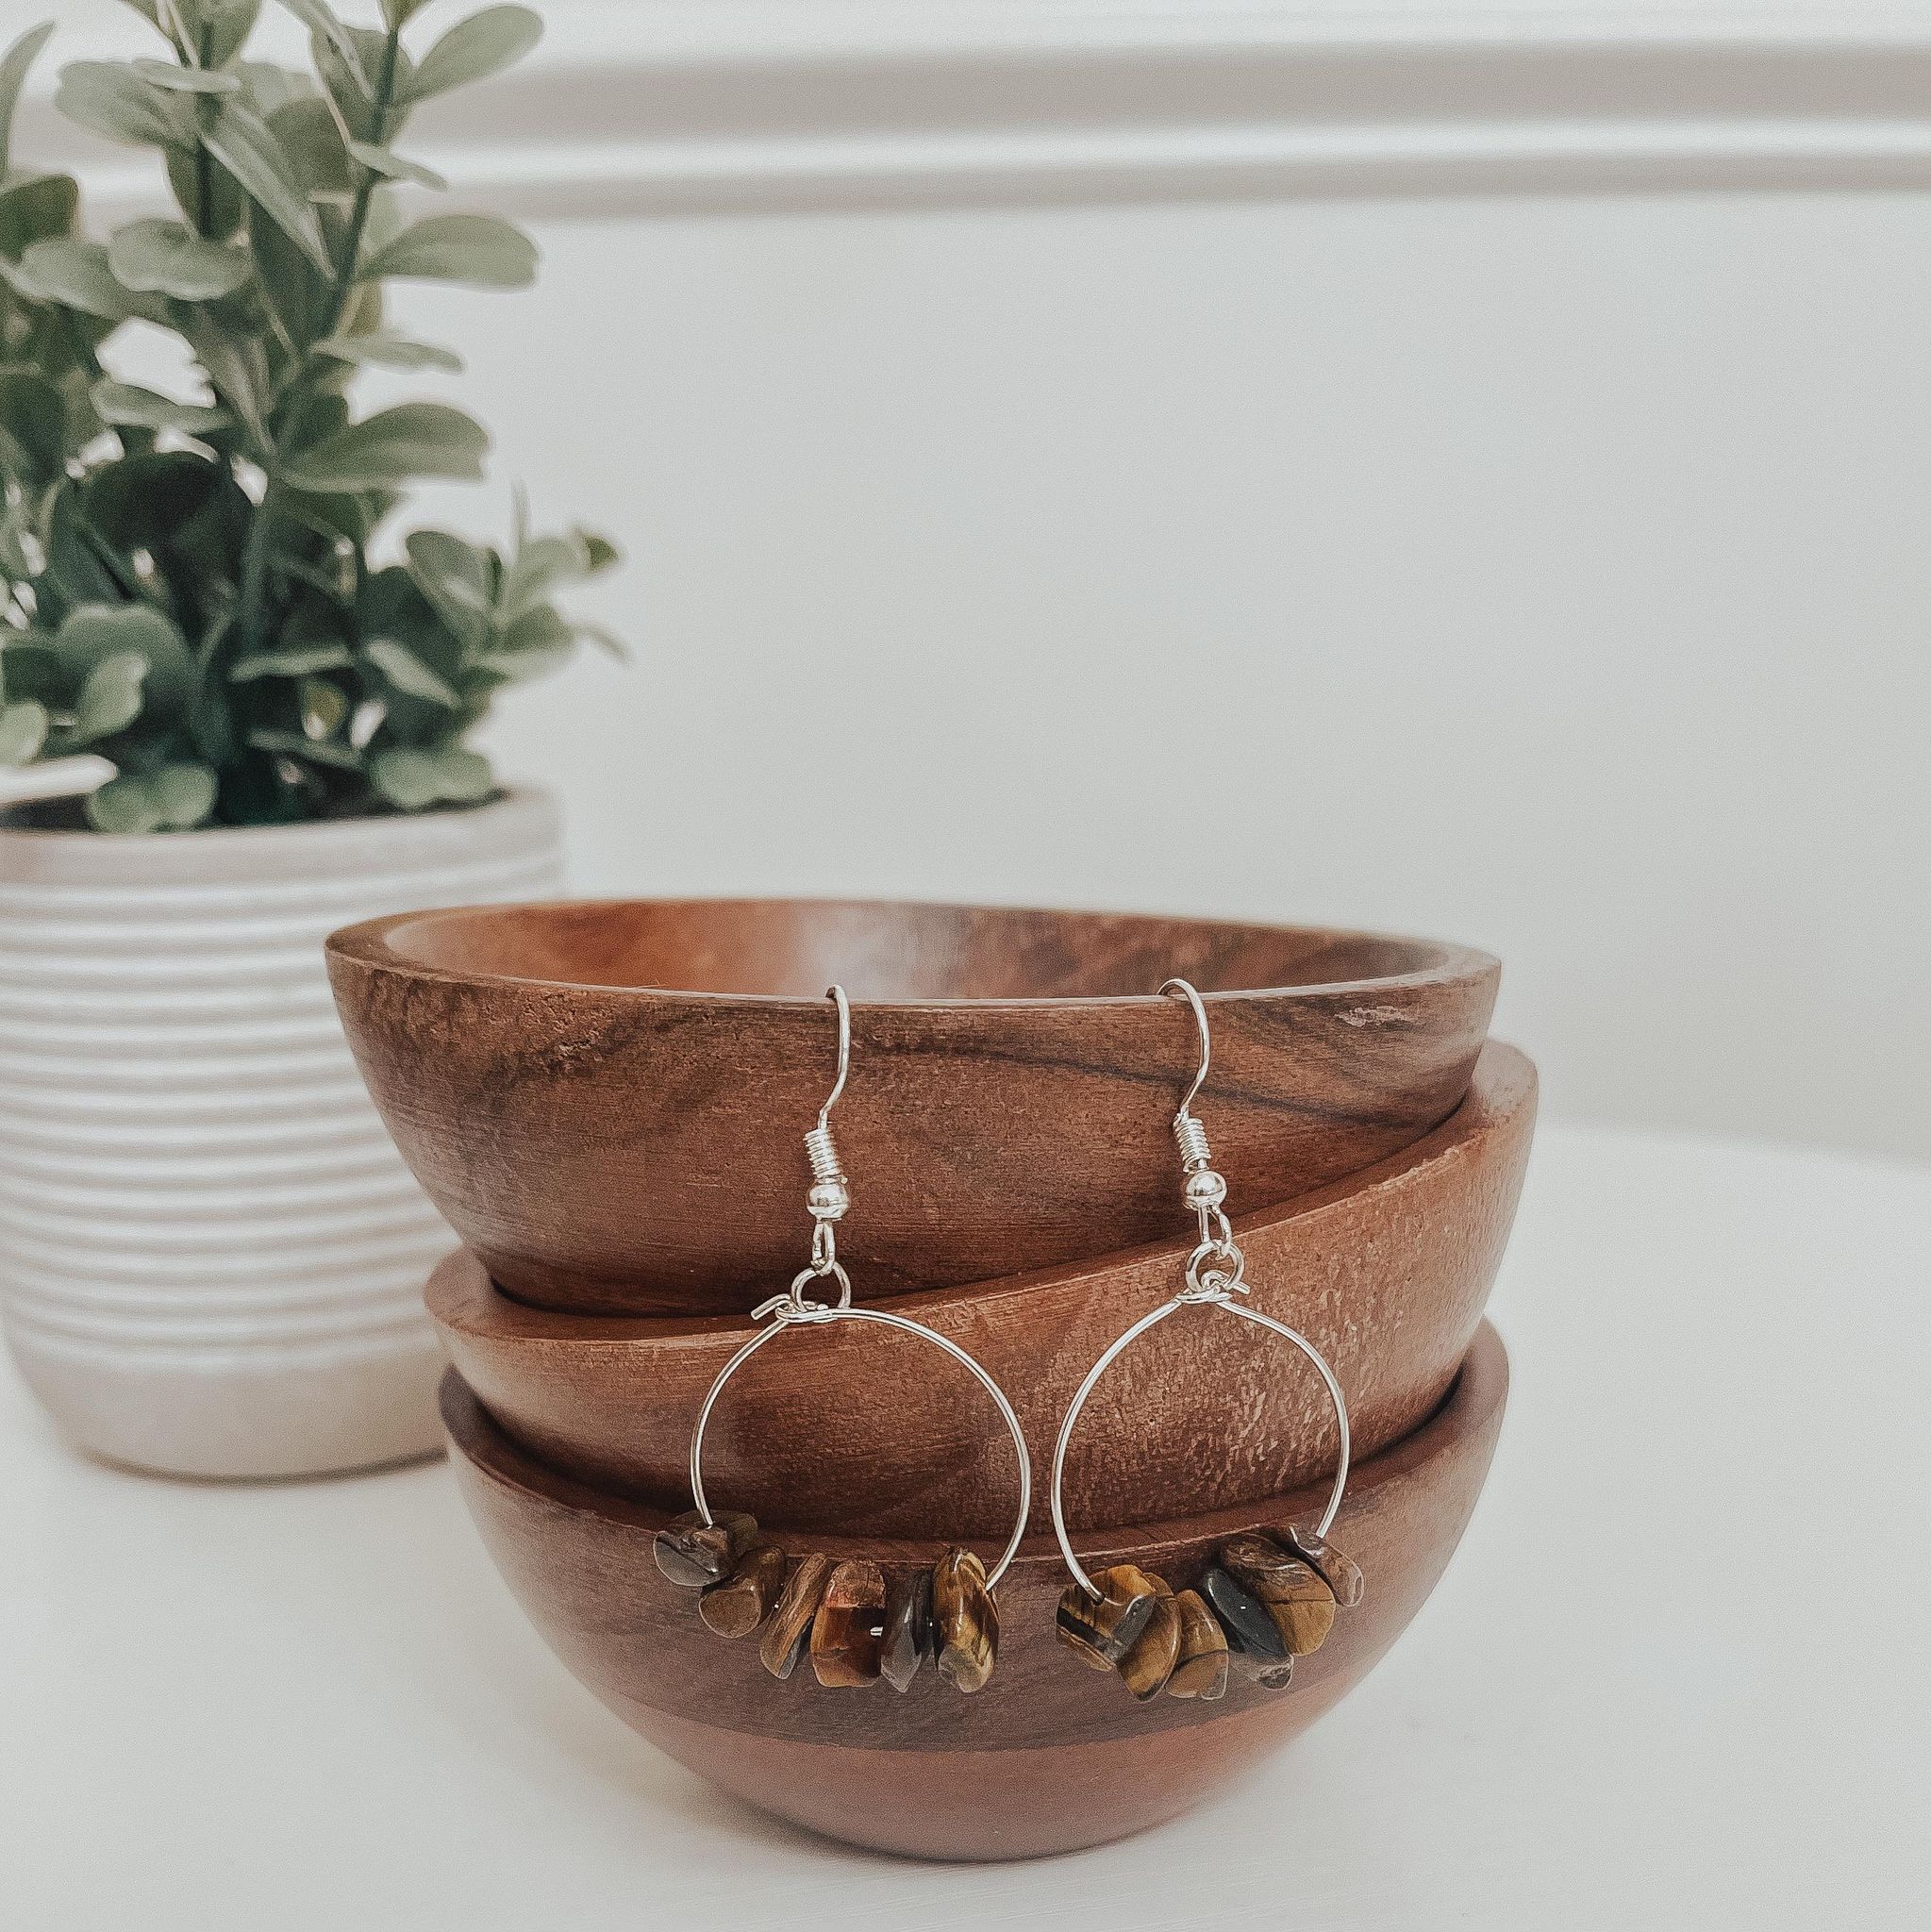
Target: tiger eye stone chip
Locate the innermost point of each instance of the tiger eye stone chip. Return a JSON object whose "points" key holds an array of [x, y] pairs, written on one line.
{"points": [[740, 1603], [1102, 1630], [965, 1621], [1341, 1572], [789, 1628], [694, 1554], [847, 1626], [908, 1639], [1145, 1669], [1200, 1668], [1296, 1595]]}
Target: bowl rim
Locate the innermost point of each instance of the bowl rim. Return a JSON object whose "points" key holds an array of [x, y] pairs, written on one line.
{"points": [[372, 943], [1501, 1098]]}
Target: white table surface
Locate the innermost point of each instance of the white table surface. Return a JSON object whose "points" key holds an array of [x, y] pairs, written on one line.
{"points": [[1677, 1676]]}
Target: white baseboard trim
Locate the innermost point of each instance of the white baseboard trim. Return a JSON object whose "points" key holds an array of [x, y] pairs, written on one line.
{"points": [[665, 107]]}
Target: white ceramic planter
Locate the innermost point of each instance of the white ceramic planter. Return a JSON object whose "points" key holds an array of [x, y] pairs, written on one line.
{"points": [[212, 1259]]}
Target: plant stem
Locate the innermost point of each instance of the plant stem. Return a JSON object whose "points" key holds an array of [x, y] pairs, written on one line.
{"points": [[204, 161], [365, 190], [255, 554]]}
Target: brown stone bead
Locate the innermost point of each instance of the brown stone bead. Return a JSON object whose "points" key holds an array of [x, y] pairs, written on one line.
{"points": [[1200, 1670], [743, 1600], [1342, 1574], [1145, 1668], [1296, 1595], [694, 1554], [846, 1629], [790, 1628], [965, 1621], [1103, 1629], [908, 1639]]}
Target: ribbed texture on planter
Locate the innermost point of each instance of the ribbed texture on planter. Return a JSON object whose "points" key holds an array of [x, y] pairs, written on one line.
{"points": [[212, 1257]]}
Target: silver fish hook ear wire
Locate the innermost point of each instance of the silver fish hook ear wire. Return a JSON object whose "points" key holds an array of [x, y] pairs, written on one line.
{"points": [[1205, 1187], [1111, 1619], [949, 1612], [830, 1199]]}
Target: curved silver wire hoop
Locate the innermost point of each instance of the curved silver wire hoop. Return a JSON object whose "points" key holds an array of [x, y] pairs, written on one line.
{"points": [[1133, 1334], [833, 1311]]}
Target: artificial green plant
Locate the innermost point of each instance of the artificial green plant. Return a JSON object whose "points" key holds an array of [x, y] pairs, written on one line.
{"points": [[188, 583]]}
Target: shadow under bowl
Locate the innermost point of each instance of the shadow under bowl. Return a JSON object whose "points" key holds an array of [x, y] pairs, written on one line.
{"points": [[1387, 1273], [1050, 1756], [606, 1099]]}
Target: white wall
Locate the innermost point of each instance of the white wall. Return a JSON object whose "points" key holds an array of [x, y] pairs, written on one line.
{"points": [[1541, 561]]}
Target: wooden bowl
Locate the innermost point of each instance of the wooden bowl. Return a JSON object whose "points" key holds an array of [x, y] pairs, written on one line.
{"points": [[1385, 1271], [608, 1101], [1049, 1755]]}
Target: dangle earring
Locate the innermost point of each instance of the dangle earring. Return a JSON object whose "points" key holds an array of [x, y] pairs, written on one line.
{"points": [[855, 1624], [1266, 1599]]}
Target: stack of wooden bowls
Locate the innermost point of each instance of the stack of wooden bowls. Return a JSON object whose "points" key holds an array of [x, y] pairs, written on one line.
{"points": [[607, 1101]]}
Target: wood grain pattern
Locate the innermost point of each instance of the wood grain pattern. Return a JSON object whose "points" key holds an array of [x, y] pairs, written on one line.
{"points": [[608, 1100], [1387, 1273], [1049, 1755]]}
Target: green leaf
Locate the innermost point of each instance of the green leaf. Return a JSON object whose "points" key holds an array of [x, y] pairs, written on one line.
{"points": [[169, 258], [307, 136], [292, 745], [144, 409], [76, 274], [13, 72], [35, 210], [111, 697], [457, 578], [411, 440], [22, 729], [400, 12], [330, 31], [116, 102], [205, 192], [408, 674], [183, 794], [291, 660], [242, 142], [325, 708], [125, 805], [480, 251], [187, 80], [74, 574], [270, 89], [33, 428], [164, 497], [386, 351], [393, 167], [414, 779], [543, 561], [235, 365], [29, 669], [227, 25], [94, 634], [472, 49], [350, 518]]}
